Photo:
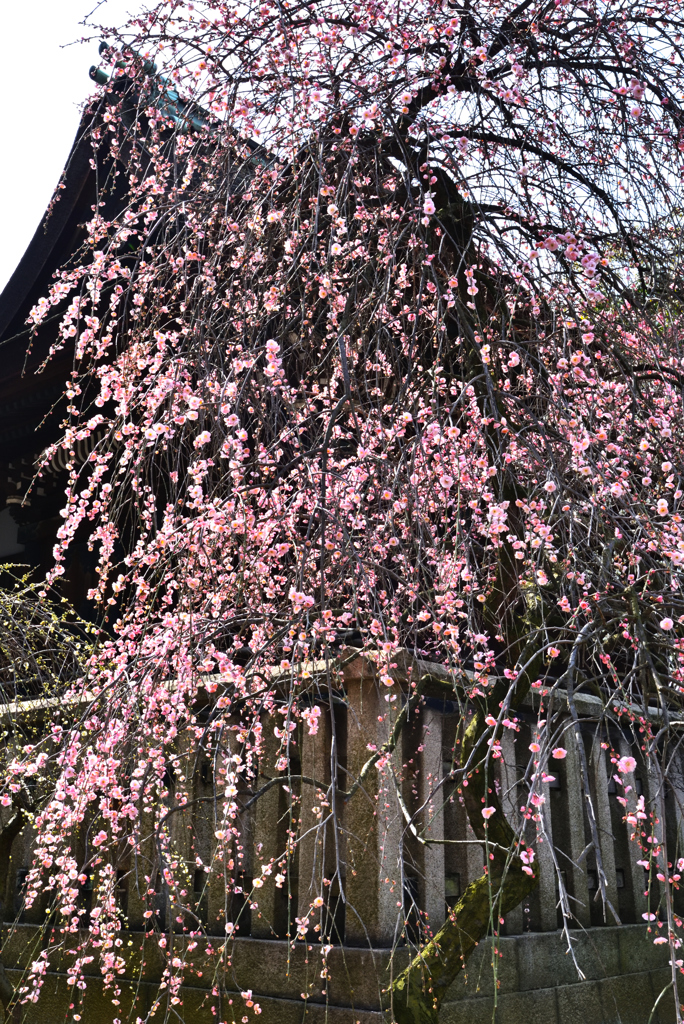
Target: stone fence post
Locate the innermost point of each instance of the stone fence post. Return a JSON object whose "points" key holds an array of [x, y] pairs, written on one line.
{"points": [[373, 821]]}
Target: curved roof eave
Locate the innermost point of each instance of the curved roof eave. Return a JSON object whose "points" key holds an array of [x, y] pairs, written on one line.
{"points": [[36, 263]]}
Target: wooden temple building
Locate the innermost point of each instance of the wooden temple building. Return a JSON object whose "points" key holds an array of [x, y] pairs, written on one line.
{"points": [[32, 402]]}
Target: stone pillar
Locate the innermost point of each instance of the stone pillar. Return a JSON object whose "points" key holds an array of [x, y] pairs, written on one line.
{"points": [[210, 889], [676, 780], [316, 843], [474, 850], [373, 821], [474, 853], [579, 889], [655, 799], [433, 816], [636, 871], [604, 825], [265, 848], [13, 888], [509, 803], [548, 898], [180, 833], [137, 900]]}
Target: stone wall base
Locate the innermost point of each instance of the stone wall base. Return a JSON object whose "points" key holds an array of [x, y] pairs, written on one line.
{"points": [[536, 983]]}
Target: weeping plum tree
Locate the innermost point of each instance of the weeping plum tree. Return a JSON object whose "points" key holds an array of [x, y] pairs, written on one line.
{"points": [[43, 647], [379, 356]]}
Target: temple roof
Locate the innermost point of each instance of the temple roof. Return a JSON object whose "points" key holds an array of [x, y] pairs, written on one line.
{"points": [[27, 397]]}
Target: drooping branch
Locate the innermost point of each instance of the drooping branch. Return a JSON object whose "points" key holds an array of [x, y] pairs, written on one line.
{"points": [[9, 833]]}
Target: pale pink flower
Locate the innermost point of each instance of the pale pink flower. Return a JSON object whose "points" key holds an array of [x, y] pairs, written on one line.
{"points": [[311, 716]]}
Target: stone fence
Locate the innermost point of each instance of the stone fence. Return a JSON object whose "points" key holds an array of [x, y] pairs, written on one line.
{"points": [[382, 886]]}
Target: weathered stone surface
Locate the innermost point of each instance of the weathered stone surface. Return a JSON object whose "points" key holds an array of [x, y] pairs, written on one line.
{"points": [[625, 1000], [373, 820], [478, 978], [543, 960], [578, 1004], [659, 980], [637, 952], [512, 1008]]}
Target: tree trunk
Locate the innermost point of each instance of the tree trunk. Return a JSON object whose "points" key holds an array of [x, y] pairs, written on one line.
{"points": [[417, 994]]}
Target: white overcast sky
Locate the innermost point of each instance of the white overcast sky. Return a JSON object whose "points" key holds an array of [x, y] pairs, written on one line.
{"points": [[43, 81]]}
